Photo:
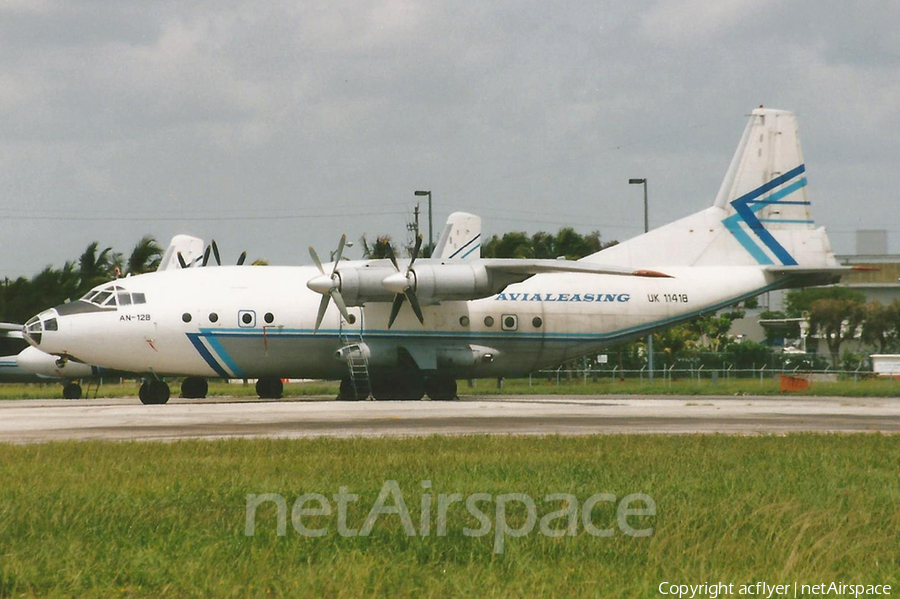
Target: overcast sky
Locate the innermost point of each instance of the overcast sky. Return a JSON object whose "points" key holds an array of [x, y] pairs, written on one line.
{"points": [[274, 125]]}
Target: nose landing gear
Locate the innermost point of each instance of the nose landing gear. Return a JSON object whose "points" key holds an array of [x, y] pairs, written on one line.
{"points": [[154, 392]]}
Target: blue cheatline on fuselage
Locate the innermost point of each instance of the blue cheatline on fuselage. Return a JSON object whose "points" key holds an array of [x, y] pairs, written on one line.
{"points": [[208, 345], [746, 214]]}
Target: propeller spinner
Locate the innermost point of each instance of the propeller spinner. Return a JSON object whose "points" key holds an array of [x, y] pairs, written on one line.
{"points": [[403, 284], [328, 285]]}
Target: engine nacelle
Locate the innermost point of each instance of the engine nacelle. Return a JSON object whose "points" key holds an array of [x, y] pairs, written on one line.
{"points": [[432, 281], [37, 362], [451, 282], [362, 284]]}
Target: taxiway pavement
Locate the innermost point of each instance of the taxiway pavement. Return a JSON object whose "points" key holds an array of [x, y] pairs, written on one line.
{"points": [[24, 421]]}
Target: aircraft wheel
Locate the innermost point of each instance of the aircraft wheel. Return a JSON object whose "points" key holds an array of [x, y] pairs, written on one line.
{"points": [[144, 394], [402, 387], [269, 387], [72, 391], [347, 392], [194, 387], [412, 389], [154, 392], [441, 389]]}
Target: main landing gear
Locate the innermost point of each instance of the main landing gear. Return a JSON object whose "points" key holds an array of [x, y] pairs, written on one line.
{"points": [[194, 387], [154, 392], [440, 388], [351, 392], [269, 387], [72, 390], [410, 387]]}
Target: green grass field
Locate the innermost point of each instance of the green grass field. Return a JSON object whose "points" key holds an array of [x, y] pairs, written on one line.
{"points": [[168, 519], [864, 387]]}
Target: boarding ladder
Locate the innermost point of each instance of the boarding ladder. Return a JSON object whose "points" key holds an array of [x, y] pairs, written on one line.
{"points": [[357, 362]]}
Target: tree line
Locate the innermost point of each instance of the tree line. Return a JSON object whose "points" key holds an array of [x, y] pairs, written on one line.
{"points": [[839, 314], [567, 242]]}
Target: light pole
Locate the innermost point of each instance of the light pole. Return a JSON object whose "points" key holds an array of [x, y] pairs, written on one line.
{"points": [[430, 227], [646, 229]]}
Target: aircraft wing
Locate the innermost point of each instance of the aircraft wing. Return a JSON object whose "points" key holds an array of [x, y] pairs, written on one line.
{"points": [[11, 330], [514, 266]]}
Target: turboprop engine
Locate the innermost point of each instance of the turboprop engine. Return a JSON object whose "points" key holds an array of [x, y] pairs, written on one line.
{"points": [[434, 281]]}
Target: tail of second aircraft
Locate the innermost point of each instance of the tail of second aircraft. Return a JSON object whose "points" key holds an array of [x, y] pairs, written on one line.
{"points": [[761, 216]]}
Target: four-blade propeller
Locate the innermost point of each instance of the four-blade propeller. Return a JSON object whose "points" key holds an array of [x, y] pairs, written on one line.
{"points": [[328, 285], [214, 249], [403, 284]]}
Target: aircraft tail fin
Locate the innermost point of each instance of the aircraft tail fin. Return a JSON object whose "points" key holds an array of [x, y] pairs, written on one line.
{"points": [[191, 249], [761, 215], [460, 239]]}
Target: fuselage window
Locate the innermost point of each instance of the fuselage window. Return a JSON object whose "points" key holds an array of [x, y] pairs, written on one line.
{"points": [[186, 317], [488, 321], [213, 317], [269, 318]]}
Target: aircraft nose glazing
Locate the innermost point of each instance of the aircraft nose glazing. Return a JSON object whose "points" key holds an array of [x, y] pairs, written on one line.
{"points": [[38, 326]]}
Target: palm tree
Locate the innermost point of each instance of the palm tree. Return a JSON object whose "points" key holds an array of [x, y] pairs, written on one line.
{"points": [[382, 248], [145, 256], [95, 268]]}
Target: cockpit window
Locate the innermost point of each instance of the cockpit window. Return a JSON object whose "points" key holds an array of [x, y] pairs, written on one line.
{"points": [[51, 325], [33, 329], [111, 295]]}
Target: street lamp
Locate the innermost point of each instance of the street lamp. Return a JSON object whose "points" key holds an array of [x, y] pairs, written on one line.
{"points": [[646, 229], [430, 227]]}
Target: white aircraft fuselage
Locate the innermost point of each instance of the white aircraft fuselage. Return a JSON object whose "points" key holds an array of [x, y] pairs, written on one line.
{"points": [[192, 322]]}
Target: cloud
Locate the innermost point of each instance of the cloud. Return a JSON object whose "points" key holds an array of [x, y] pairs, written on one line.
{"points": [[677, 23]]}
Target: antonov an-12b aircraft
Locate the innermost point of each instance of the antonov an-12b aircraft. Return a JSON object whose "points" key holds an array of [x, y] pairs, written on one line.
{"points": [[400, 329]]}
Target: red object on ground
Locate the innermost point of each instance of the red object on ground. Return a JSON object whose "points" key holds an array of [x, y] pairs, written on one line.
{"points": [[794, 383]]}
